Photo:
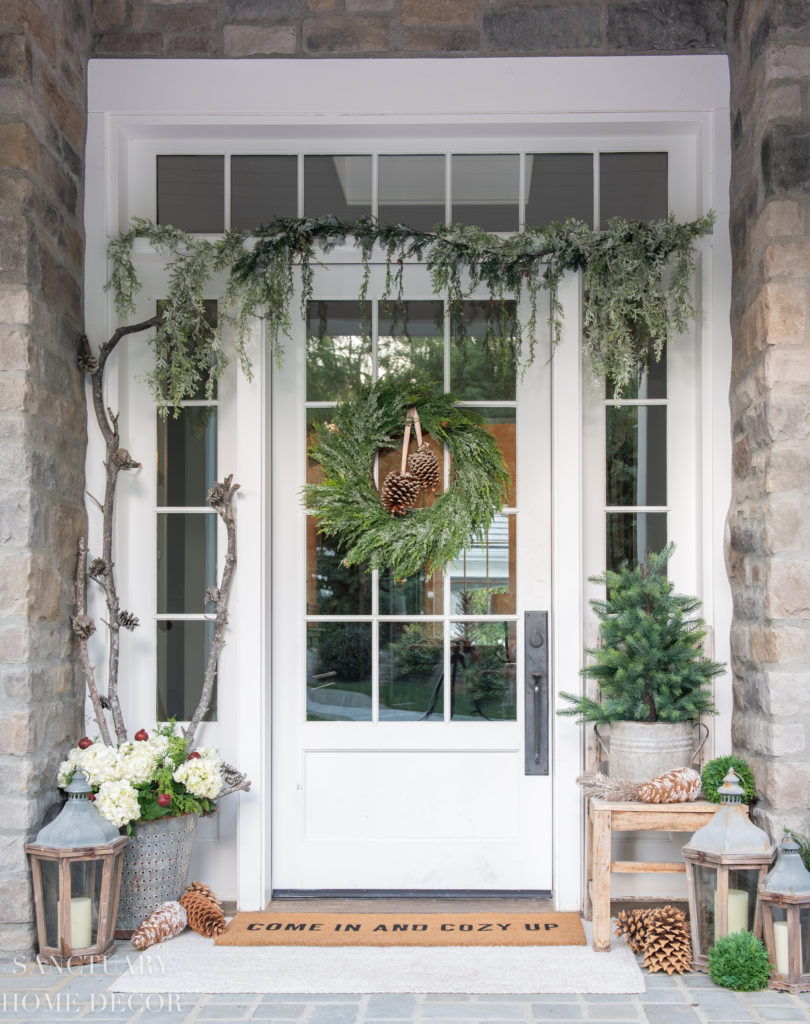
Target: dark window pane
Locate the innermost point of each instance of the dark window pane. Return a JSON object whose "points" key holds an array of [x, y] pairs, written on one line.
{"points": [[652, 383], [182, 657], [631, 536], [263, 187], [190, 193], [411, 190], [186, 456], [337, 184], [411, 671], [636, 440], [332, 588], [338, 350], [558, 186], [186, 561], [412, 339], [338, 672], [415, 595], [485, 190], [482, 348], [482, 671], [633, 186]]}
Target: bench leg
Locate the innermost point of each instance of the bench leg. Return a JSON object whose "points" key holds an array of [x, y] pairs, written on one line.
{"points": [[601, 879]]}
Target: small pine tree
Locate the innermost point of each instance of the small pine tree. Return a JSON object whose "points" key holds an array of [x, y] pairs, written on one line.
{"points": [[650, 666]]}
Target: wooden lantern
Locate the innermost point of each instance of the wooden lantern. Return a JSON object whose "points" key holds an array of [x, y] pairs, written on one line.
{"points": [[76, 864], [785, 907], [726, 862]]}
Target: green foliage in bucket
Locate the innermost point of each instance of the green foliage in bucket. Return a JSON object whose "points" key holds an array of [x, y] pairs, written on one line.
{"points": [[650, 665]]}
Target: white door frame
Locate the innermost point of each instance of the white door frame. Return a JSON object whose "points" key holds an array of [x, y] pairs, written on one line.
{"points": [[551, 101]]}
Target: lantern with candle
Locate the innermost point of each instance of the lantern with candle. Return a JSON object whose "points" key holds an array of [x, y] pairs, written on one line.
{"points": [[726, 861], [785, 906], [76, 866]]}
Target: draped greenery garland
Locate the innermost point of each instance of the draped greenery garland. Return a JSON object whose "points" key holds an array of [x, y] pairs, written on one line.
{"points": [[636, 285]]}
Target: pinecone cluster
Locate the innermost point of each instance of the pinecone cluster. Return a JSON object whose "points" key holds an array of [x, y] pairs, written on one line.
{"points": [[424, 465], [661, 935], [204, 912], [166, 921], [399, 492]]}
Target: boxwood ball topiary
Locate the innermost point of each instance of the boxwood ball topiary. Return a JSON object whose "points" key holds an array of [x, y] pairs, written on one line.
{"points": [[739, 962], [711, 778]]}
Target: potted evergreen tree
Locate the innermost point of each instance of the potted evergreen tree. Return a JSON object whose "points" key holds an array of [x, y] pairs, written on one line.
{"points": [[653, 678]]}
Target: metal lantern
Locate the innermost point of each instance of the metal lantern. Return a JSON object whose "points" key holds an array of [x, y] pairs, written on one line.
{"points": [[726, 861], [76, 865], [785, 907]]}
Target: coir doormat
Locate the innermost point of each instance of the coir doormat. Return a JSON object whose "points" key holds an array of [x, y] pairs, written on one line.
{"points": [[276, 928]]}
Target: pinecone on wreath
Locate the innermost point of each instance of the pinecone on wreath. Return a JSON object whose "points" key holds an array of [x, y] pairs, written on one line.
{"points": [[424, 465], [204, 912], [666, 944], [399, 493]]}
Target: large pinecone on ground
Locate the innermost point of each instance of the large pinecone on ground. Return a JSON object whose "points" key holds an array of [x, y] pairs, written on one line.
{"points": [[666, 944], [632, 924], [399, 493], [204, 912], [168, 920], [424, 465]]}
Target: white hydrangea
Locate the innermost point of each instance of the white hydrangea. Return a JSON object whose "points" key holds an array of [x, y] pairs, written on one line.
{"points": [[211, 755], [201, 776], [68, 767], [99, 762], [138, 761], [117, 801]]}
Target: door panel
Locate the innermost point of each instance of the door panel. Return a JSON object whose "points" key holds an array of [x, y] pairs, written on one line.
{"points": [[398, 705]]}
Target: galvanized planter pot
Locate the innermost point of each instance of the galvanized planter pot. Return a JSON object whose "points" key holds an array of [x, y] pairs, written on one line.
{"points": [[640, 751], [155, 870]]}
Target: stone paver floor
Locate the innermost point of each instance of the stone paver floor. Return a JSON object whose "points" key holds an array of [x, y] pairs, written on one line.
{"points": [[47, 995]]}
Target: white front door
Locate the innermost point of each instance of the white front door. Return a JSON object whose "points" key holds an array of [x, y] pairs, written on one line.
{"points": [[399, 717]]}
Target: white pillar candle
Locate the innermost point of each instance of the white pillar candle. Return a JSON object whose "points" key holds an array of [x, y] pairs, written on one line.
{"points": [[780, 947], [737, 912], [81, 922]]}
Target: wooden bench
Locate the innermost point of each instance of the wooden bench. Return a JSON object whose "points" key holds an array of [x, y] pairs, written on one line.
{"points": [[606, 817]]}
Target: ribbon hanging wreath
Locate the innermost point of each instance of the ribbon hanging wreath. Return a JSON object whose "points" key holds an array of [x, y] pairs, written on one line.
{"points": [[347, 504]]}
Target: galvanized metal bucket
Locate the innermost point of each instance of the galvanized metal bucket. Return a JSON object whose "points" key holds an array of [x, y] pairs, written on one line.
{"points": [[640, 751], [155, 869]]}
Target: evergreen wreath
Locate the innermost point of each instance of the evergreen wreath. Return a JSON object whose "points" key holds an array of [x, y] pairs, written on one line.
{"points": [[348, 507]]}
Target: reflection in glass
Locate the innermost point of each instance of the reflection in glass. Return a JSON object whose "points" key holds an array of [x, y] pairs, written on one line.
{"points": [[416, 595], [190, 193], [636, 454], [480, 369], [411, 190], [315, 473], [263, 187], [706, 899], [502, 424], [485, 190], [332, 588], [633, 186], [652, 383], [186, 456], [558, 186], [411, 671], [338, 353], [338, 672], [182, 656], [482, 671], [412, 339], [186, 561], [340, 185], [482, 578], [631, 536]]}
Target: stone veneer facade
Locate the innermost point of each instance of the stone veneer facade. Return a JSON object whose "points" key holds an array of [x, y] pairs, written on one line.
{"points": [[43, 54]]}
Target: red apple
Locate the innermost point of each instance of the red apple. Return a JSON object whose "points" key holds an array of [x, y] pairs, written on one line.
{"points": [[92, 797], [85, 742], [141, 735], [192, 755], [164, 799]]}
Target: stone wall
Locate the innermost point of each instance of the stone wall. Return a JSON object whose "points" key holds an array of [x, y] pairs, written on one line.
{"points": [[42, 417], [768, 552], [407, 28]]}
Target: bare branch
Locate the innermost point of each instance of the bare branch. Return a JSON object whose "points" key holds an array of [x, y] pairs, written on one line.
{"points": [[221, 497], [83, 628]]}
